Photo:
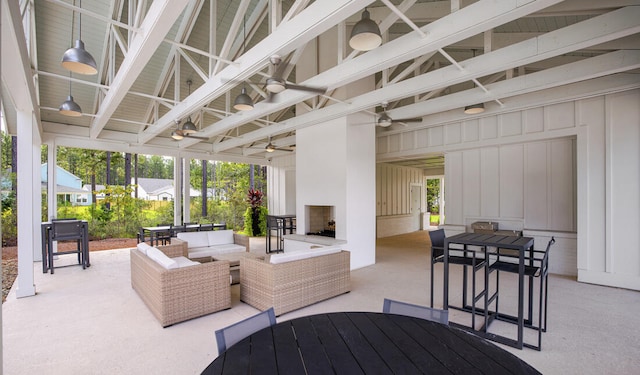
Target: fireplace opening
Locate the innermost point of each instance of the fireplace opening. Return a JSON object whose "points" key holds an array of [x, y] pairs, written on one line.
{"points": [[321, 221]]}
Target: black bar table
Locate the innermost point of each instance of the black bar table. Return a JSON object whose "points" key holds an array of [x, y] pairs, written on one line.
{"points": [[365, 343], [486, 241]]}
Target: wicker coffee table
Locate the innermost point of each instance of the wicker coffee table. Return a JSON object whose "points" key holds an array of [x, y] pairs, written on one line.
{"points": [[234, 262]]}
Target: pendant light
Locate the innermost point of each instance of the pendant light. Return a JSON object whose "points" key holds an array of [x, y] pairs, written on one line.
{"points": [[76, 58], [474, 109], [189, 127], [70, 107], [365, 35], [243, 101]]}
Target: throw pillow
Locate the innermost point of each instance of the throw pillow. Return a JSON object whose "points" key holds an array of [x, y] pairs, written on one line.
{"points": [[160, 258], [143, 247]]}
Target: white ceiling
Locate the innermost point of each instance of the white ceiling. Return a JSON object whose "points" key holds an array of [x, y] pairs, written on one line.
{"points": [[437, 56]]}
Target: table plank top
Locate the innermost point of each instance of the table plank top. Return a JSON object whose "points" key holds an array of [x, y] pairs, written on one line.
{"points": [[363, 343]]}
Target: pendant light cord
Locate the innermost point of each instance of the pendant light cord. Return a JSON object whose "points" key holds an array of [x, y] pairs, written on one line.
{"points": [[80, 22], [244, 39], [73, 16]]}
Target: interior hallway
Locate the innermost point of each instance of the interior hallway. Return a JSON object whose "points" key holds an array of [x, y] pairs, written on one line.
{"points": [[92, 322]]}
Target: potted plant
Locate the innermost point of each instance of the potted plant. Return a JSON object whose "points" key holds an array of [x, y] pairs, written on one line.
{"points": [[254, 198]]}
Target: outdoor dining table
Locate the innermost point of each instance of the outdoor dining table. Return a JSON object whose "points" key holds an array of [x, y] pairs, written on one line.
{"points": [[485, 242], [365, 343], [152, 232]]}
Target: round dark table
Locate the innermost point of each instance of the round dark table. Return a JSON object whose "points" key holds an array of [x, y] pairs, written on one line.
{"points": [[365, 343]]}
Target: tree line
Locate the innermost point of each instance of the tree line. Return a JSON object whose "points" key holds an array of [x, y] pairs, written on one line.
{"points": [[223, 185]]}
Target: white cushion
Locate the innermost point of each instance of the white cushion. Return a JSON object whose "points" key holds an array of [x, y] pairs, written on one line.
{"points": [[303, 254], [160, 258], [143, 246], [293, 245], [215, 250], [228, 248], [194, 239], [220, 237], [184, 262]]}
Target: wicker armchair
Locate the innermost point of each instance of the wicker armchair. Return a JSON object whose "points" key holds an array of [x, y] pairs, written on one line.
{"points": [[292, 285], [176, 295]]}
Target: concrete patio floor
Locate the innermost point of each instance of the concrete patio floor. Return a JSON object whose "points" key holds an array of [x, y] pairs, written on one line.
{"points": [[92, 322]]}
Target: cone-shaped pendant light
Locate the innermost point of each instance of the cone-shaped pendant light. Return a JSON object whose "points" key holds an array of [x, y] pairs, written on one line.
{"points": [[76, 58], [70, 107], [365, 35]]}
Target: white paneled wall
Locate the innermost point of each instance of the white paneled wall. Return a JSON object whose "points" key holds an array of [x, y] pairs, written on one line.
{"points": [[533, 184], [393, 199], [393, 189], [570, 168]]}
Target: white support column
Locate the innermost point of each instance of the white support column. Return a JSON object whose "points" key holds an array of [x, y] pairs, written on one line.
{"points": [[52, 162], [177, 191], [52, 191], [29, 203], [186, 190], [441, 202]]}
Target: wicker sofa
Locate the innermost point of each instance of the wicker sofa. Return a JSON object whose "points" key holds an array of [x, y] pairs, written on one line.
{"points": [[290, 285], [176, 295], [211, 243]]}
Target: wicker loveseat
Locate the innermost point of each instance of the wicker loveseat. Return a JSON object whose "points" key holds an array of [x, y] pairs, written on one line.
{"points": [[290, 285], [176, 295]]}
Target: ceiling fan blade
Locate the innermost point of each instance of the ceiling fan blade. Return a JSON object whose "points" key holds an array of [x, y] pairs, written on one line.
{"points": [[416, 119], [196, 137], [318, 90]]}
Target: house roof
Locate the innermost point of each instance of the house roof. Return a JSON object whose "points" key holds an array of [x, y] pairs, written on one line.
{"points": [[434, 61], [154, 186], [61, 189]]}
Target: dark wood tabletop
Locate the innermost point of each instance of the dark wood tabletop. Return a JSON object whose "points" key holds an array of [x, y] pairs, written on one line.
{"points": [[365, 343]]}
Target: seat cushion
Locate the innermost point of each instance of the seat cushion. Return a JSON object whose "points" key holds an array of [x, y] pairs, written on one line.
{"points": [[220, 237], [160, 258], [215, 250], [184, 262], [194, 239], [303, 254]]}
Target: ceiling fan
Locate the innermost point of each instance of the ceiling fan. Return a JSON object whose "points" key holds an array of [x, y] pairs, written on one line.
{"points": [[384, 120], [276, 83], [188, 130], [271, 147]]}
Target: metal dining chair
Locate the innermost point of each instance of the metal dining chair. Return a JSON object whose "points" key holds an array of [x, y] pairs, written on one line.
{"points": [[466, 258], [164, 236], [402, 308], [537, 266], [67, 230], [230, 335]]}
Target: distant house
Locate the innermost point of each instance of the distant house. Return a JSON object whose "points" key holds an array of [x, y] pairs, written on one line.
{"points": [[158, 189], [68, 186], [99, 195]]}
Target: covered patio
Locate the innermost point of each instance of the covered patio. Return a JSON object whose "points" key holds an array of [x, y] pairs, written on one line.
{"points": [[92, 321], [554, 152]]}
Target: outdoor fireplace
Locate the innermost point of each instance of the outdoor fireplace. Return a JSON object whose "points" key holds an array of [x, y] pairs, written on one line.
{"points": [[320, 221]]}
